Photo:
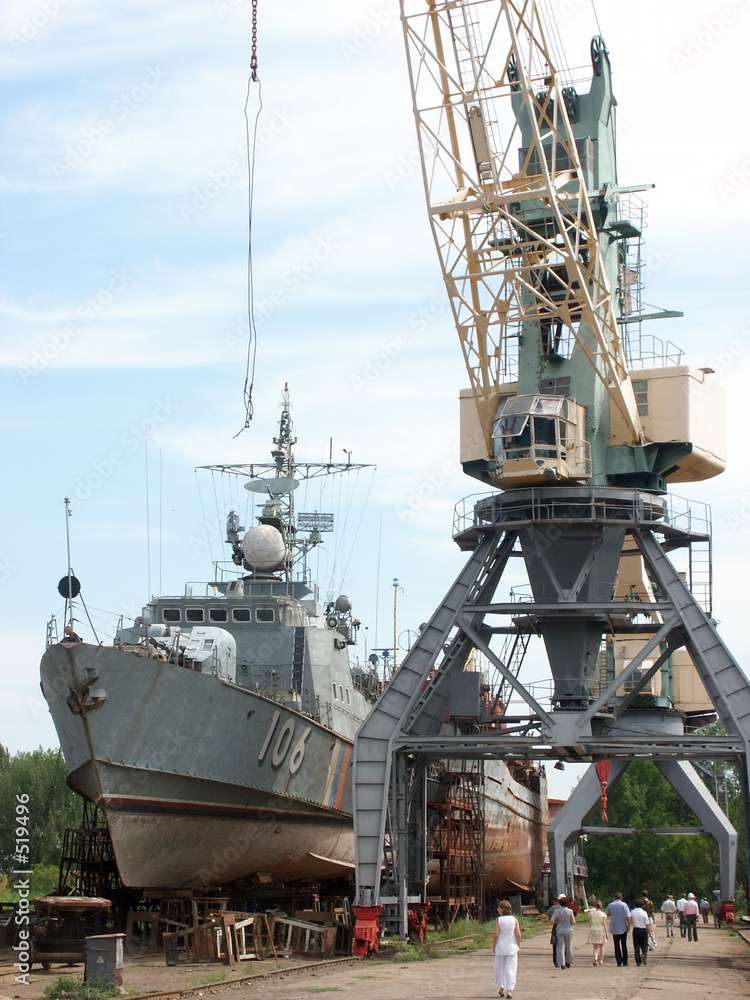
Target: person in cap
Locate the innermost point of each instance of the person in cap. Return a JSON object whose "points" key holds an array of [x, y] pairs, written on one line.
{"points": [[563, 921], [553, 936], [690, 911]]}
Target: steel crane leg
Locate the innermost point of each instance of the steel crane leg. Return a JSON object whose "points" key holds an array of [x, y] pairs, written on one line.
{"points": [[584, 802]]}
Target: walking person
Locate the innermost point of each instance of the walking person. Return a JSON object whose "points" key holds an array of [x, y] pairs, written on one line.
{"points": [[553, 936], [505, 945], [563, 921], [647, 904], [619, 925], [705, 907], [641, 924], [716, 911], [690, 912], [598, 932], [680, 908], [668, 908]]}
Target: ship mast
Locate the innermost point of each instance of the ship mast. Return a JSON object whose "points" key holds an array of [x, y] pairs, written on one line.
{"points": [[277, 481]]}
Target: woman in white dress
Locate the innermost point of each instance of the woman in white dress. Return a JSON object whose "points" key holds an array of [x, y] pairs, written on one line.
{"points": [[505, 946]]}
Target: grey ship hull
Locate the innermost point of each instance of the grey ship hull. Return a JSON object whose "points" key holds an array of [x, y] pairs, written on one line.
{"points": [[201, 781]]}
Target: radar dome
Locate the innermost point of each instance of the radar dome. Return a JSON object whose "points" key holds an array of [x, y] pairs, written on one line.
{"points": [[343, 603], [263, 547]]}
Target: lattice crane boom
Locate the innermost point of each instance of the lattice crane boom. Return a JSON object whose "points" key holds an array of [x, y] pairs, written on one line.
{"points": [[522, 195]]}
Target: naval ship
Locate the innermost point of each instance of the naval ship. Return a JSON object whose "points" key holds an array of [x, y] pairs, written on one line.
{"points": [[216, 732]]}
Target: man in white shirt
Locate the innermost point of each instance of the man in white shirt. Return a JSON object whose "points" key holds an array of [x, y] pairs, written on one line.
{"points": [[668, 908], [690, 912], [680, 907], [640, 921]]}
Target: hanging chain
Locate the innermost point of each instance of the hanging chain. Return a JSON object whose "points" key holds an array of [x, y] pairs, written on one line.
{"points": [[254, 56]]}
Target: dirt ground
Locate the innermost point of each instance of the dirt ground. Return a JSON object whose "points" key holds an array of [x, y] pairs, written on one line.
{"points": [[716, 966]]}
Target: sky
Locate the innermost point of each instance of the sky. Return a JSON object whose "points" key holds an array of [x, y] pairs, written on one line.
{"points": [[123, 292]]}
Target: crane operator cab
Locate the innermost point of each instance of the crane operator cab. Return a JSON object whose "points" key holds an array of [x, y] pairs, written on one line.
{"points": [[539, 440]]}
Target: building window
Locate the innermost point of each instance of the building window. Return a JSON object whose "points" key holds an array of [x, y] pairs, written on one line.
{"points": [[347, 697], [265, 615], [334, 691], [555, 386], [170, 614], [640, 390], [240, 614], [217, 614], [193, 614]]}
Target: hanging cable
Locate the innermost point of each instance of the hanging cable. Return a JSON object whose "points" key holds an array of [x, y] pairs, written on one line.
{"points": [[251, 134]]}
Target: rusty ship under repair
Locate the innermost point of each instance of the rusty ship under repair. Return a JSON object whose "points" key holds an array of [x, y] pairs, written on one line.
{"points": [[216, 732]]}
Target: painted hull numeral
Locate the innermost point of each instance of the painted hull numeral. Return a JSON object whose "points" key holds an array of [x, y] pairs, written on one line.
{"points": [[269, 736], [283, 743]]}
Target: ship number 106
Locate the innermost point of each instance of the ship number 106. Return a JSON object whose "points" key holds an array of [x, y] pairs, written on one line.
{"points": [[283, 743]]}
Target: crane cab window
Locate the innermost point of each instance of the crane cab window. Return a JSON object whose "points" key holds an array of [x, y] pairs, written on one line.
{"points": [[545, 437], [530, 437]]}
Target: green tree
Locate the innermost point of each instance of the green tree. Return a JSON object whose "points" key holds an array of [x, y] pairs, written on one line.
{"points": [[40, 775], [629, 863]]}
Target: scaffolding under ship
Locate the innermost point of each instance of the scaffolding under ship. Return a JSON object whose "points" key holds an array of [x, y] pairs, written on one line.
{"points": [[215, 734]]}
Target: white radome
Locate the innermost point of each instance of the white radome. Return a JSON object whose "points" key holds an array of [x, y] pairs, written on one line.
{"points": [[263, 547]]}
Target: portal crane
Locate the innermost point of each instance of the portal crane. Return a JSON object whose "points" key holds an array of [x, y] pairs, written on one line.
{"points": [[535, 240]]}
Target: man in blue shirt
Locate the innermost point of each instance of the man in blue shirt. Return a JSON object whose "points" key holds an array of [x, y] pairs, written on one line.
{"points": [[619, 924]]}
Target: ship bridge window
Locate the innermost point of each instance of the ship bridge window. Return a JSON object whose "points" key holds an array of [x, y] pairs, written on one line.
{"points": [[240, 614], [194, 614], [217, 614], [170, 614], [265, 615]]}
